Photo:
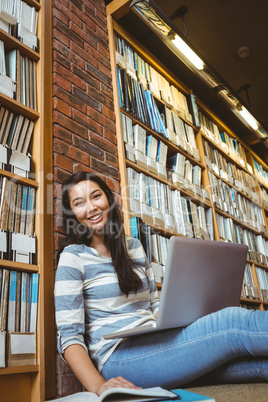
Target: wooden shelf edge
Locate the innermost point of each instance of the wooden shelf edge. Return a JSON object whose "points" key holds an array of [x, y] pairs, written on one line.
{"points": [[18, 107], [19, 266], [19, 179], [18, 370]]}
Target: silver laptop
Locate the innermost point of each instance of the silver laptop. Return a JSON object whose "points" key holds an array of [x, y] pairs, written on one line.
{"points": [[201, 277]]}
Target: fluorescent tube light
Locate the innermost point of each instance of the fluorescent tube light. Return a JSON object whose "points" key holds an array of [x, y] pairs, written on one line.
{"points": [[249, 118], [188, 52]]}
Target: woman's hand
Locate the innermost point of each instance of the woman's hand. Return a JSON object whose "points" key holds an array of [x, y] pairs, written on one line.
{"points": [[116, 382]]}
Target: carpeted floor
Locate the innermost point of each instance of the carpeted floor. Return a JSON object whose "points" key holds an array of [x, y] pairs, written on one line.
{"points": [[234, 392]]}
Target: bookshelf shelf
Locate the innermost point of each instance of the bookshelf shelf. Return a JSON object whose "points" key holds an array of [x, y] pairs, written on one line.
{"points": [[31, 383], [13, 43], [19, 266], [19, 370], [184, 192], [172, 148], [241, 181], [19, 179], [18, 108]]}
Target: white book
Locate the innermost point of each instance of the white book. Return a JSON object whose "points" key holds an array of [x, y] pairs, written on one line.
{"points": [[34, 302], [143, 395]]}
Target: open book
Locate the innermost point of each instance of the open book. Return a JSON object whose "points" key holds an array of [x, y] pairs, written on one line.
{"points": [[134, 395]]}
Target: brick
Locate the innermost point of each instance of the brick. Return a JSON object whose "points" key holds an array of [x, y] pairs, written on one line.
{"points": [[69, 98], [113, 184], [88, 122], [104, 168], [59, 81], [69, 385], [60, 147], [68, 32], [77, 155], [104, 51], [86, 98], [69, 124], [106, 90], [108, 112], [62, 133], [60, 69], [60, 15], [59, 3], [86, 77], [62, 59], [85, 18], [96, 73], [111, 159], [81, 168], [76, 3], [60, 175], [61, 48], [107, 123], [68, 74], [103, 143], [88, 147], [63, 162], [60, 37], [110, 135], [62, 107]]}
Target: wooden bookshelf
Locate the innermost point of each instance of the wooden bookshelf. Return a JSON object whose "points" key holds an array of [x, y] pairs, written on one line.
{"points": [[115, 10], [36, 383]]}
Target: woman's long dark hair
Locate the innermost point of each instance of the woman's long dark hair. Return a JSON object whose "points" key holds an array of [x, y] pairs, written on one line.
{"points": [[114, 234]]}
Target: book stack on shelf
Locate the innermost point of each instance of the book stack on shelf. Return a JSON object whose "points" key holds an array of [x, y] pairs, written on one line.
{"points": [[249, 289], [20, 20], [18, 317], [21, 189], [211, 185], [262, 276], [17, 221]]}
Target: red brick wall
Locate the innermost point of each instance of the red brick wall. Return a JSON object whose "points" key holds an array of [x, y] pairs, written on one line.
{"points": [[83, 117]]}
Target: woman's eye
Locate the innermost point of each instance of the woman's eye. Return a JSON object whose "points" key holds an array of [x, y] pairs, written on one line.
{"points": [[78, 204], [96, 196]]}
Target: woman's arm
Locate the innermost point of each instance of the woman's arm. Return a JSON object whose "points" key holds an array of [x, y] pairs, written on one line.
{"points": [[85, 371]]}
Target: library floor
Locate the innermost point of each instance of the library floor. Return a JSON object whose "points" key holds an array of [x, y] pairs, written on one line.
{"points": [[234, 392]]}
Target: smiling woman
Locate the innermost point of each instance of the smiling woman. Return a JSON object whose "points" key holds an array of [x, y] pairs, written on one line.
{"points": [[104, 284], [90, 206]]}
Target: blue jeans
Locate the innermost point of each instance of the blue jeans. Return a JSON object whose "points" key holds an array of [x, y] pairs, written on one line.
{"points": [[228, 346]]}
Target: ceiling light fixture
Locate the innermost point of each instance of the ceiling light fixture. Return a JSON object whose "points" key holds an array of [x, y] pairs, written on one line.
{"points": [[249, 118], [149, 12]]}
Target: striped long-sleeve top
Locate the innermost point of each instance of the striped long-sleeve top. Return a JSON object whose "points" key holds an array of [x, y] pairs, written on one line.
{"points": [[90, 304]]}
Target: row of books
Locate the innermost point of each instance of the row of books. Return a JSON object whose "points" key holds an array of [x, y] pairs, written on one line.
{"points": [[179, 132], [19, 302], [15, 130], [20, 20], [262, 276], [139, 102], [157, 204], [184, 174], [22, 70], [154, 244], [264, 197], [229, 200], [143, 149], [17, 207], [229, 144], [151, 79], [260, 172], [227, 170], [235, 233], [249, 289]]}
